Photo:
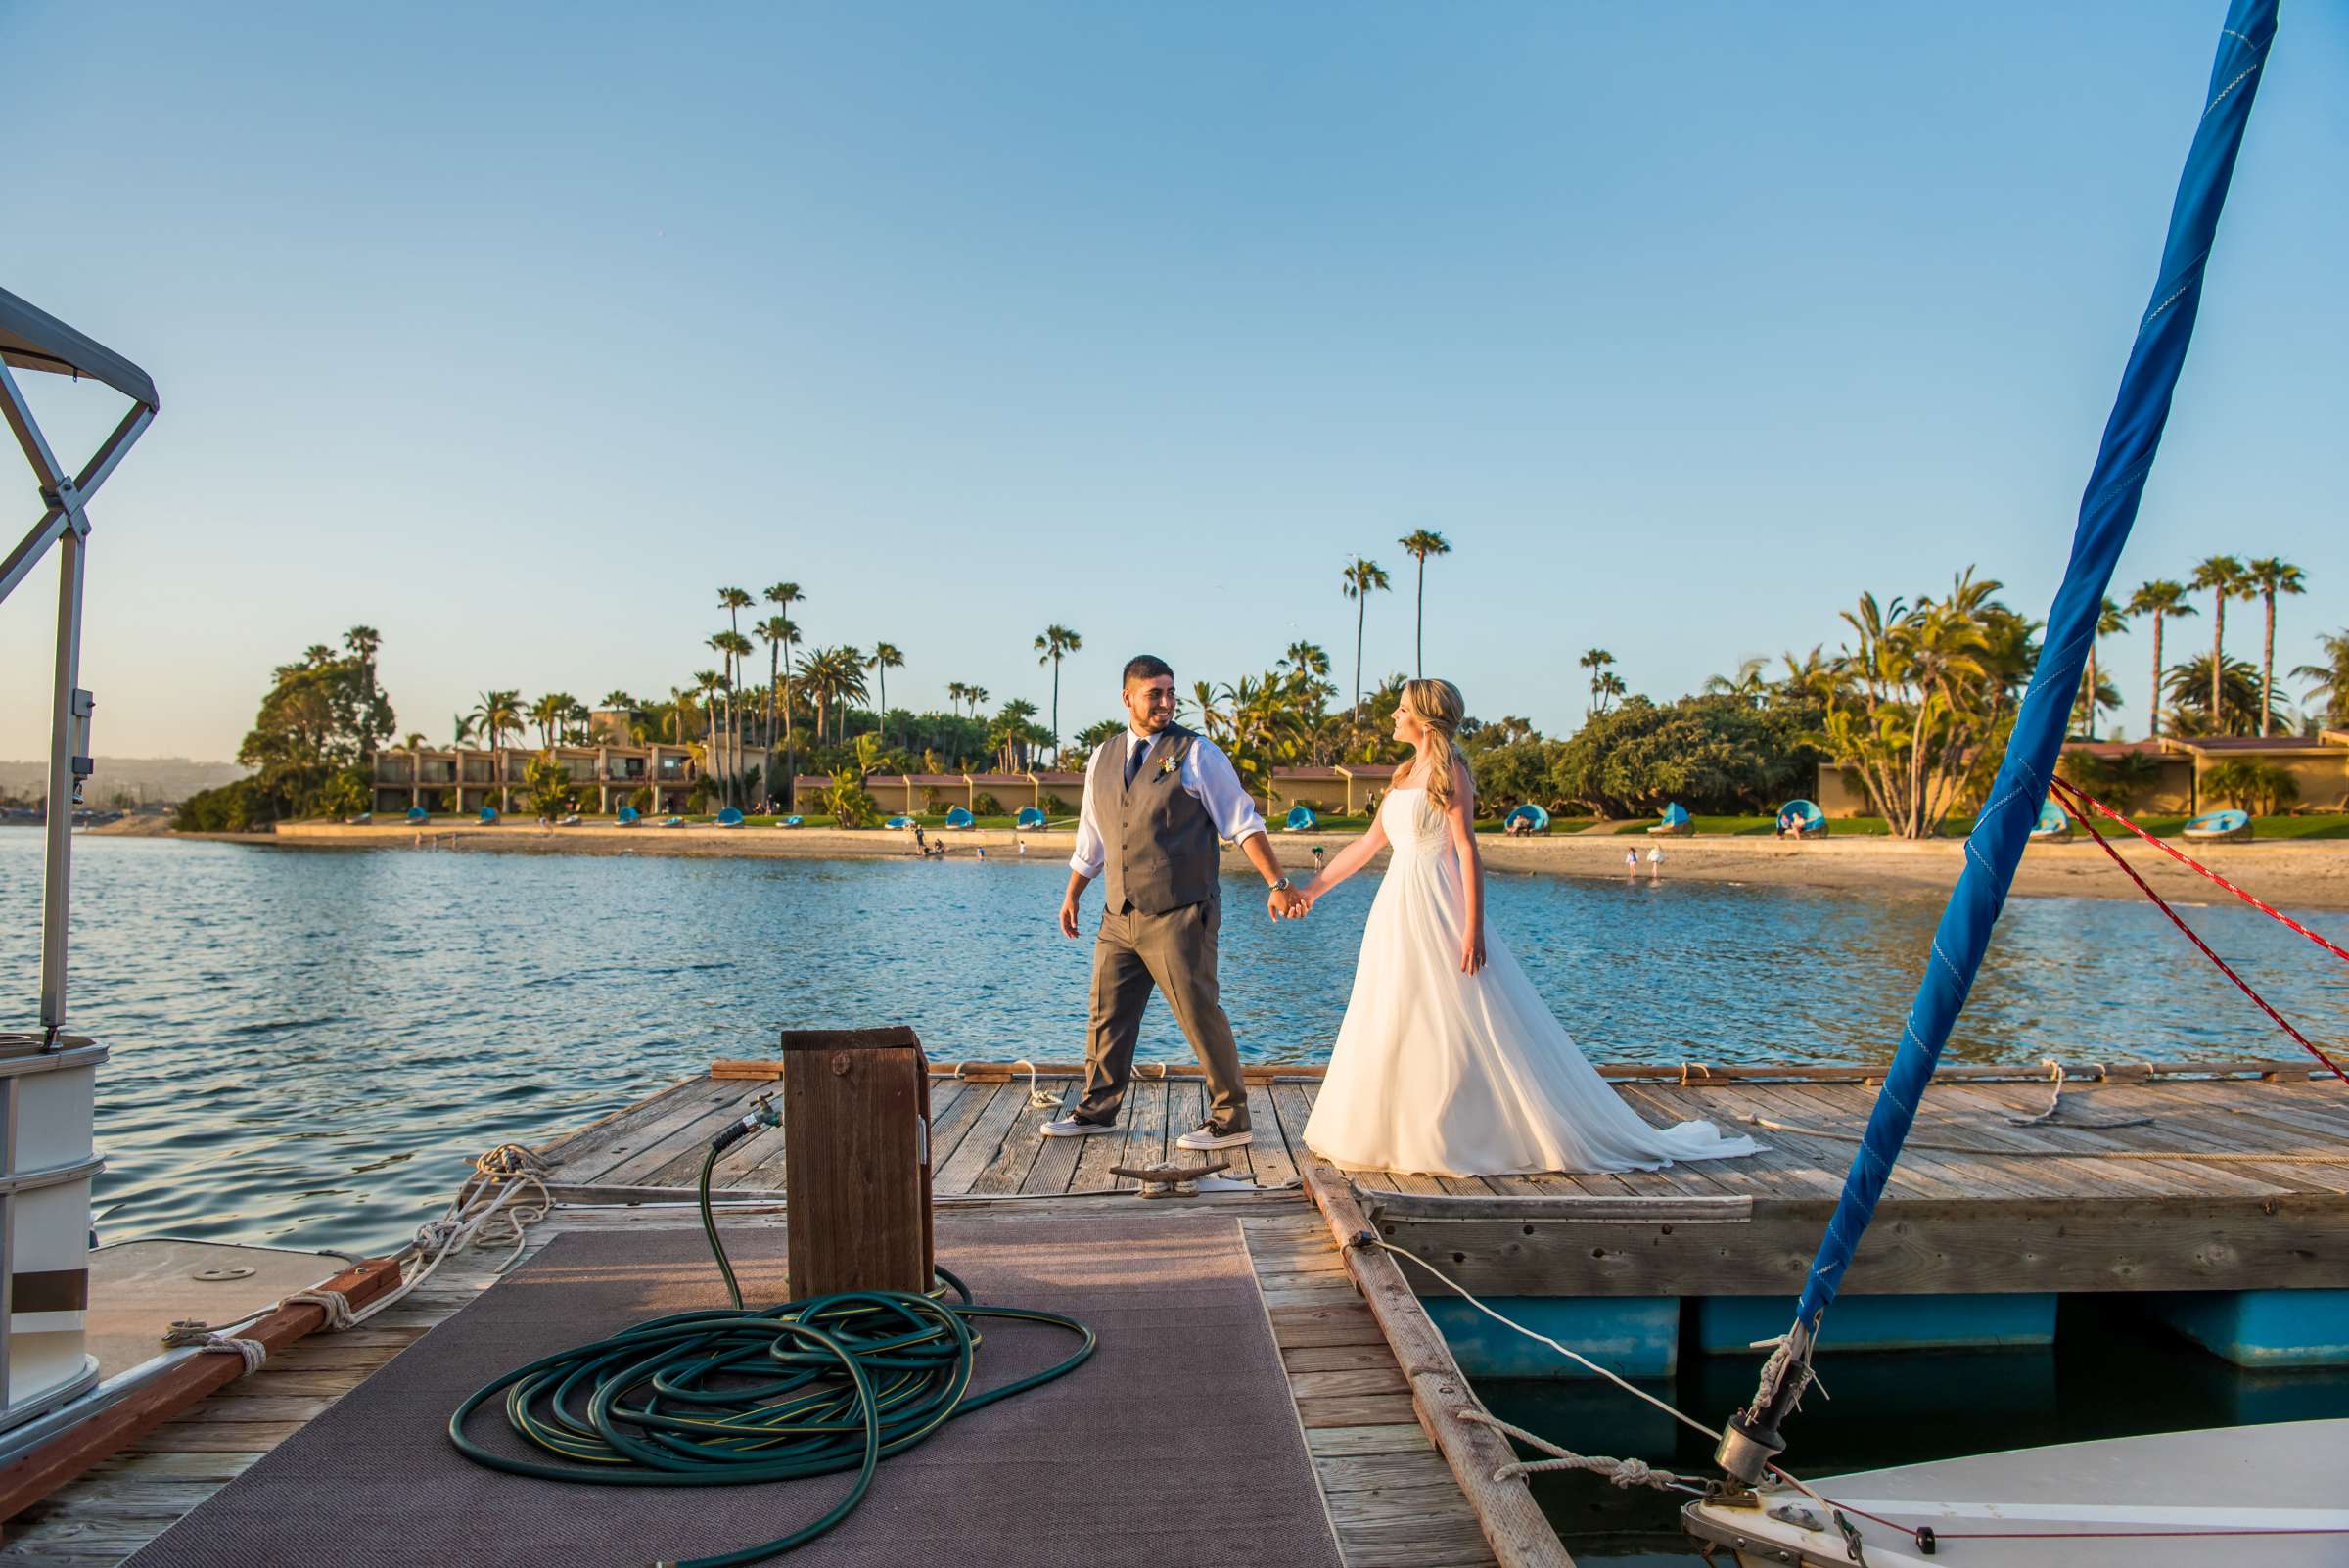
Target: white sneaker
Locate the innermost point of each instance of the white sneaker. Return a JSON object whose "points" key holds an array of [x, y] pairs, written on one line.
{"points": [[1206, 1135], [1076, 1127]]}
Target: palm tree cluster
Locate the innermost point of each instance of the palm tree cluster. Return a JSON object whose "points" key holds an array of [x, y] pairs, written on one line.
{"points": [[2207, 695], [1918, 704]]}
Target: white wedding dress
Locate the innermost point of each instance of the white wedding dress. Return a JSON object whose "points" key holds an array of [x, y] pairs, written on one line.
{"points": [[1451, 1073]]}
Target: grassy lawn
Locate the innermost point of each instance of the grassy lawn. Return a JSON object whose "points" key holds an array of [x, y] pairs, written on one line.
{"points": [[2331, 825]]}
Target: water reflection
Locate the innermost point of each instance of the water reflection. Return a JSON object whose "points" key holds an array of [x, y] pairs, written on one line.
{"points": [[358, 1024]]}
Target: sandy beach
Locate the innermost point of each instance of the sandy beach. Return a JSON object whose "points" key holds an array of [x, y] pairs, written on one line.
{"points": [[2301, 874]]}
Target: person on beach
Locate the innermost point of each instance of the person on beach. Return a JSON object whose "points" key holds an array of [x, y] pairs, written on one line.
{"points": [[1157, 798], [1655, 861], [1631, 862], [1449, 1062]]}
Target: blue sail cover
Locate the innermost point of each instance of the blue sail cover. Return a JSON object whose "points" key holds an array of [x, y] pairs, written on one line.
{"points": [[2106, 512]]}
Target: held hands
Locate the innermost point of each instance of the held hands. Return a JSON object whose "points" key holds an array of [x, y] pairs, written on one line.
{"points": [[1289, 904]]}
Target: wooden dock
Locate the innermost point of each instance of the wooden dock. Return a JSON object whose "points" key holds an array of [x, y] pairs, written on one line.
{"points": [[2212, 1177]]}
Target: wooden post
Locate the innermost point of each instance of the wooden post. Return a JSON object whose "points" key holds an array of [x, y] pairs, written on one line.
{"points": [[857, 1160], [1505, 1509]]}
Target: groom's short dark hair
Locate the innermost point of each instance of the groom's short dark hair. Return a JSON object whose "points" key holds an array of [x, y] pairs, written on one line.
{"points": [[1147, 666]]}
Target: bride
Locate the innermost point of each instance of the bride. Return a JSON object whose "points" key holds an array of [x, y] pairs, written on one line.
{"points": [[1449, 1062]]}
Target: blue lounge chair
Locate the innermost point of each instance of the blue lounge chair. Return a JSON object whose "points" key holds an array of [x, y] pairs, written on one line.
{"points": [[1677, 823], [898, 822], [729, 817], [360, 820], [790, 821], [1801, 819], [629, 816], [2054, 823], [957, 817], [672, 821], [1535, 819], [417, 813], [2220, 825], [1300, 819], [488, 815], [1028, 817]]}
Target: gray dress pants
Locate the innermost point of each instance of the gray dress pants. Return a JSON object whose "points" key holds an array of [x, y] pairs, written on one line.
{"points": [[1175, 953]]}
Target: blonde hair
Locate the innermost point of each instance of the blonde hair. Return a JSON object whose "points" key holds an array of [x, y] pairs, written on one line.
{"points": [[1437, 704]]}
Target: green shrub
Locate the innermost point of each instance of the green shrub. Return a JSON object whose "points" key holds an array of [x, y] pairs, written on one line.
{"points": [[987, 806], [2120, 782], [2260, 788], [847, 803], [234, 808]]}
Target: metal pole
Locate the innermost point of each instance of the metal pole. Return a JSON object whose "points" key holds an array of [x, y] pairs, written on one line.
{"points": [[68, 731]]}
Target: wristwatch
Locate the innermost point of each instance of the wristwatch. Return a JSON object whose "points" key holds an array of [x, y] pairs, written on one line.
{"points": [[1281, 886]]}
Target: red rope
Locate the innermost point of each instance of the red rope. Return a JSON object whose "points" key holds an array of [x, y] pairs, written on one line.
{"points": [[2282, 1022], [2072, 793]]}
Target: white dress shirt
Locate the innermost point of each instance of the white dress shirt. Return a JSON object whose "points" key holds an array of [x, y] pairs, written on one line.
{"points": [[1207, 777]]}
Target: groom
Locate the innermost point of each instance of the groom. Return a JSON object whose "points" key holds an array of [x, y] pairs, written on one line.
{"points": [[1157, 797]]}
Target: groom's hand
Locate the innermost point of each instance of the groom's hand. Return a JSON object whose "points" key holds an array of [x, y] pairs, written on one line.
{"points": [[1287, 903], [1068, 916]]}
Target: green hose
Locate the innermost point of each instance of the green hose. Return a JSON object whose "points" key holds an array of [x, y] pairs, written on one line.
{"points": [[781, 1393]]}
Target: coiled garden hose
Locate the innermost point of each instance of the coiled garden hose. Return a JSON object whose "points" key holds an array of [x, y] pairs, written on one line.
{"points": [[732, 1398]]}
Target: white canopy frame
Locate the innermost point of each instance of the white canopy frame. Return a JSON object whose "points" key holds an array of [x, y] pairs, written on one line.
{"points": [[32, 339]]}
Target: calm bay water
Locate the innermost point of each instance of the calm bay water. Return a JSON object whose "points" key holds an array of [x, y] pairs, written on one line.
{"points": [[310, 1046]]}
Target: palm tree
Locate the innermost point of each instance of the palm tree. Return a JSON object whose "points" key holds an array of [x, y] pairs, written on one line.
{"points": [[2158, 598], [886, 657], [2269, 576], [621, 698], [1596, 660], [1306, 659], [2223, 576], [547, 712], [1056, 644], [783, 595], [413, 742], [1419, 544], [460, 730], [497, 715], [1363, 578], [365, 642], [956, 691], [2112, 618], [706, 686], [2330, 680], [777, 632], [1746, 683], [975, 696], [2237, 714]]}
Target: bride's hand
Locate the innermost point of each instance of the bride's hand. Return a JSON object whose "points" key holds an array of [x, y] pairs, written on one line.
{"points": [[1472, 951]]}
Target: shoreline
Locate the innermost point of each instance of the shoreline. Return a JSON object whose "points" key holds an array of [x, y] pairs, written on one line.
{"points": [[2307, 874]]}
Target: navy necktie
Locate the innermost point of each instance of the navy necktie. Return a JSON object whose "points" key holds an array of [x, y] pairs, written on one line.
{"points": [[1134, 760]]}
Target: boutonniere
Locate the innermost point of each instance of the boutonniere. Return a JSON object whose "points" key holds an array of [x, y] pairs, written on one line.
{"points": [[1167, 764]]}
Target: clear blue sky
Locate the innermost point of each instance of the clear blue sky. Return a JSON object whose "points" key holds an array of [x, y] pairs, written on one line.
{"points": [[516, 330]]}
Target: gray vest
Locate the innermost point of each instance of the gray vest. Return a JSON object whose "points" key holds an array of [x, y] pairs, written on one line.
{"points": [[1161, 843]]}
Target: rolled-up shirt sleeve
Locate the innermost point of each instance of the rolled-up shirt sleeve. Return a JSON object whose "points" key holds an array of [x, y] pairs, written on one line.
{"points": [[1210, 777], [1091, 850]]}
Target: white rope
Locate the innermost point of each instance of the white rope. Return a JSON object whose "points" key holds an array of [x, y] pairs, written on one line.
{"points": [[1037, 1099], [1639, 1394], [1625, 1473], [1576, 1357], [487, 1211], [334, 1302], [251, 1350]]}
